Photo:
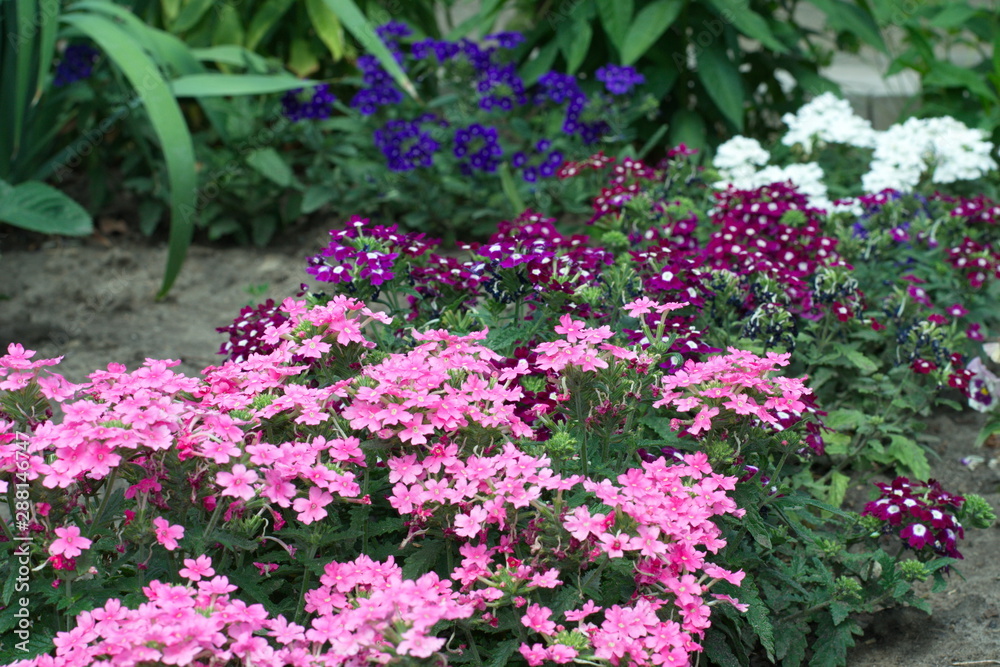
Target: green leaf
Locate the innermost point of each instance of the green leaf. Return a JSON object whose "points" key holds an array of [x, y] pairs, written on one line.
{"points": [[502, 653], [946, 75], [615, 17], [749, 22], [911, 455], [213, 84], [532, 70], [315, 197], [688, 127], [231, 54], [41, 208], [193, 12], [648, 26], [264, 20], [991, 426], [844, 419], [327, 26], [356, 23], [574, 40], [838, 488], [168, 124], [791, 645], [510, 189], [953, 16], [422, 560], [832, 642], [858, 359], [848, 17], [722, 82]]}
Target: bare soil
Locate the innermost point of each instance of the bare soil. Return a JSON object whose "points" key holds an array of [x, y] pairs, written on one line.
{"points": [[92, 301]]}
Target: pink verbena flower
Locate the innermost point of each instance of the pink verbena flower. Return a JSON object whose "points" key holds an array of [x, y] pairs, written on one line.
{"points": [[69, 542], [166, 534]]}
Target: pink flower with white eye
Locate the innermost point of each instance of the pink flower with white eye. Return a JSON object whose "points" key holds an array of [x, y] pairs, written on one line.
{"points": [[237, 483], [469, 525], [536, 617], [69, 543], [166, 534], [640, 306], [196, 568], [311, 509]]}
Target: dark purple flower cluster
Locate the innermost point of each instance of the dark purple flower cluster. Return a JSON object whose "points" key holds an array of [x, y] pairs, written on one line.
{"points": [[508, 39], [619, 79], [485, 157], [558, 88], [380, 89], [77, 63], [246, 331], [443, 50], [543, 163], [406, 145], [921, 513], [365, 252], [316, 107]]}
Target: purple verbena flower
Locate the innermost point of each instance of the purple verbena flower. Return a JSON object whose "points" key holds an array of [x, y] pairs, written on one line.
{"points": [[619, 79]]}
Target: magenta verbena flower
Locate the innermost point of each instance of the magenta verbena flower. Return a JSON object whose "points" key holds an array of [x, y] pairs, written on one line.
{"points": [[921, 514]]}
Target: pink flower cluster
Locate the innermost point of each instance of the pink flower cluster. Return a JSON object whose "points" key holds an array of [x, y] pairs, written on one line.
{"points": [[443, 384], [736, 383]]}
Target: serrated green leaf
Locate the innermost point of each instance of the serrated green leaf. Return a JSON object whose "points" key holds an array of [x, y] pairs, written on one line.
{"points": [[844, 419], [647, 27], [832, 642], [837, 489], [791, 644], [910, 455], [421, 561], [248, 582], [857, 358], [722, 82], [503, 652]]}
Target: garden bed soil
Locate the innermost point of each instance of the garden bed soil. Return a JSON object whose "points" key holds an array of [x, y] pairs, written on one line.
{"points": [[91, 301]]}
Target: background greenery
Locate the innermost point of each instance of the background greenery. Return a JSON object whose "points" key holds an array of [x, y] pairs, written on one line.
{"points": [[186, 92]]}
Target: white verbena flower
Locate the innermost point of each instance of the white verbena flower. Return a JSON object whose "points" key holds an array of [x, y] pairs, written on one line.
{"points": [[827, 119], [740, 152], [906, 152]]}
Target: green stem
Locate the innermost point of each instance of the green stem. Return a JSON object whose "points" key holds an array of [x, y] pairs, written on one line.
{"points": [[109, 489], [299, 606], [211, 524]]}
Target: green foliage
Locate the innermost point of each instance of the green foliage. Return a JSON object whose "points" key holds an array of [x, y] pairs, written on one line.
{"points": [[710, 64], [951, 46]]}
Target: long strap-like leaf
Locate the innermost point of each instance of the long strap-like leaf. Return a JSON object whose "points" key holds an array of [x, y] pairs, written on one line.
{"points": [[168, 124]]}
